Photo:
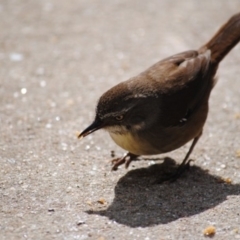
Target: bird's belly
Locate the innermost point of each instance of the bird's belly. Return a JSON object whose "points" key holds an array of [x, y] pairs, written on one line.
{"points": [[133, 144], [162, 139]]}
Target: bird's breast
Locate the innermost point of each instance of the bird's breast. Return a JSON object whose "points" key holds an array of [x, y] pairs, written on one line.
{"points": [[133, 143]]}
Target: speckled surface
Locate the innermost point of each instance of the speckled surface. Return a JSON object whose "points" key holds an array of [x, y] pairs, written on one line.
{"points": [[57, 57]]}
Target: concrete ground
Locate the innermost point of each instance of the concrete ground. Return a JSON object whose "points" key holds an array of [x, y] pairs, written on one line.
{"points": [[57, 57]]}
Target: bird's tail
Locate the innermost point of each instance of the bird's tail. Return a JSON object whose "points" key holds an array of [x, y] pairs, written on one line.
{"points": [[224, 40]]}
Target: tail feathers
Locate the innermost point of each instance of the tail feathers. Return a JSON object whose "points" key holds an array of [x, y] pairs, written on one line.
{"points": [[224, 40]]}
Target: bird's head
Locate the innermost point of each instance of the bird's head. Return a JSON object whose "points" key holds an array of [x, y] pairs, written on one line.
{"points": [[124, 108]]}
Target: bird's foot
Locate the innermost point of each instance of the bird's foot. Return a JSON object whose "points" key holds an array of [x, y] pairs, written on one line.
{"points": [[172, 177], [127, 159]]}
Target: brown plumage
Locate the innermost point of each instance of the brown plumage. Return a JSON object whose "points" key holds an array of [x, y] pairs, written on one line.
{"points": [[165, 106]]}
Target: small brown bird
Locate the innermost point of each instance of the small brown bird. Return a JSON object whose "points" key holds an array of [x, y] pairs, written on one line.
{"points": [[165, 106]]}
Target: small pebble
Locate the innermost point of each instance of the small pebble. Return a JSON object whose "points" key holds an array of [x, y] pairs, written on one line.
{"points": [[48, 125], [112, 153], [89, 203], [16, 57], [23, 91], [42, 83], [51, 210], [80, 222]]}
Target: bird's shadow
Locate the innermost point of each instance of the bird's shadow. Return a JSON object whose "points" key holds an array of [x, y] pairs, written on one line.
{"points": [[139, 202]]}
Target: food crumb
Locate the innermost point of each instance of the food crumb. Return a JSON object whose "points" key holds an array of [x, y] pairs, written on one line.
{"points": [[238, 153], [89, 203], [209, 231], [237, 116], [101, 201], [224, 180], [101, 238], [77, 133], [236, 230], [227, 180]]}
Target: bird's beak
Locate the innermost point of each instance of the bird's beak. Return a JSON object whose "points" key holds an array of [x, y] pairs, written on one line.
{"points": [[97, 124]]}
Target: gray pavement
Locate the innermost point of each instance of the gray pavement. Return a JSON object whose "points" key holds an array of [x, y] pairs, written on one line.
{"points": [[57, 57]]}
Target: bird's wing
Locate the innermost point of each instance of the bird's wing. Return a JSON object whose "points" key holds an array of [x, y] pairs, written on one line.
{"points": [[183, 81]]}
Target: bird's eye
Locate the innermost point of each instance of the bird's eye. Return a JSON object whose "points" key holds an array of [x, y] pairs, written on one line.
{"points": [[119, 118]]}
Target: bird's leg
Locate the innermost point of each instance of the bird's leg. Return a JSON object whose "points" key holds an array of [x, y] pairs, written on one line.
{"points": [[185, 163], [125, 159]]}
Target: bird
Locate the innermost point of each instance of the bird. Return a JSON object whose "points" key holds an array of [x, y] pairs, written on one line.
{"points": [[165, 106]]}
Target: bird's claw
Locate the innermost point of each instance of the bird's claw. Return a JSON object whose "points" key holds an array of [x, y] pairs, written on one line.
{"points": [[127, 159], [178, 173]]}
